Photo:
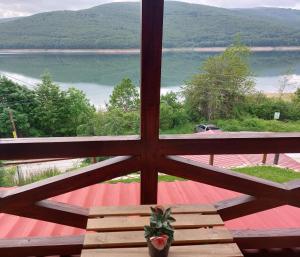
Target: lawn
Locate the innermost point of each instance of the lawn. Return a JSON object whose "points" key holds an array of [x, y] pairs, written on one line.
{"points": [[275, 174], [161, 178], [271, 173]]}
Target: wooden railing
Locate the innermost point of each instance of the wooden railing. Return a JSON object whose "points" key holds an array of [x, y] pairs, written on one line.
{"points": [[148, 153]]}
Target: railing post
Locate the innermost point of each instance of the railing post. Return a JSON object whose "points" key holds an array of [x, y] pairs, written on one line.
{"points": [[151, 54], [264, 159], [211, 159]]}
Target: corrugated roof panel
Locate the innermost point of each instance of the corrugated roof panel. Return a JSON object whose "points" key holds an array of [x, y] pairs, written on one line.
{"points": [[180, 192]]}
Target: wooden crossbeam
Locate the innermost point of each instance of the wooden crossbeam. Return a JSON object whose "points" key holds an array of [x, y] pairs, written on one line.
{"points": [[230, 143], [68, 147], [267, 194], [55, 212], [93, 174], [244, 205], [219, 177], [35, 246], [265, 239]]}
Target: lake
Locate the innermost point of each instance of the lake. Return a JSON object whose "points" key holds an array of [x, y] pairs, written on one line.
{"points": [[96, 74]]}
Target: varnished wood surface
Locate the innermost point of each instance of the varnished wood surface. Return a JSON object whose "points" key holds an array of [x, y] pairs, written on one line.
{"points": [[138, 223], [101, 211], [136, 238], [210, 250]]}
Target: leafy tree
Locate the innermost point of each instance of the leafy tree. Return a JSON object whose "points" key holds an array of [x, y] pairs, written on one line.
{"points": [[297, 96], [222, 83], [60, 113], [21, 102], [172, 112], [125, 97]]}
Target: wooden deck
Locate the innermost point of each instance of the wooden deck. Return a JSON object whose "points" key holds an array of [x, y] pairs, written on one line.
{"points": [[118, 231]]}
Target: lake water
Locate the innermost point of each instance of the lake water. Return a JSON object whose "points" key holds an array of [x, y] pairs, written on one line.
{"points": [[96, 74]]}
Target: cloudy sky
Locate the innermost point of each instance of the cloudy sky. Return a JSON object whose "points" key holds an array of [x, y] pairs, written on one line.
{"points": [[11, 8]]}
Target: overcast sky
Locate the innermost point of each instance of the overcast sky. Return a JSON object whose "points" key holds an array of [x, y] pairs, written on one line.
{"points": [[11, 8]]}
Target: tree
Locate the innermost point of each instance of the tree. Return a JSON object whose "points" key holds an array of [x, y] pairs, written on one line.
{"points": [[285, 82], [125, 97], [60, 113], [21, 102], [172, 112], [297, 96], [222, 83]]}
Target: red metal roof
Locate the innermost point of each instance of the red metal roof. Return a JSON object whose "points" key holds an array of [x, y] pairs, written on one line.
{"points": [[236, 160], [180, 192]]}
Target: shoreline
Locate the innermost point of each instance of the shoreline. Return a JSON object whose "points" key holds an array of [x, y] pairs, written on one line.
{"points": [[137, 51]]}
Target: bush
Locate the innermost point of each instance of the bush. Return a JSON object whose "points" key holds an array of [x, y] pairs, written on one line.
{"points": [[172, 112], [255, 124], [263, 107]]}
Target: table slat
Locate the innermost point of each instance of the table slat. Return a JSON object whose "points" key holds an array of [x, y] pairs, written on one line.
{"points": [[145, 210], [210, 250], [138, 222], [136, 238]]}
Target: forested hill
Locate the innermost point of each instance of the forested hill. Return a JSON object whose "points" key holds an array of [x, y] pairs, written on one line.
{"points": [[117, 25]]}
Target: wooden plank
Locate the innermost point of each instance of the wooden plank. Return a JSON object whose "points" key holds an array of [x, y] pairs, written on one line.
{"points": [[227, 179], [230, 143], [68, 147], [136, 238], [270, 238], [138, 223], [211, 250], [36, 246], [102, 211], [93, 174], [151, 52]]}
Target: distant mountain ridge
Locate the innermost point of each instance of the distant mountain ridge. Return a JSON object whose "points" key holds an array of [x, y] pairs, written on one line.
{"points": [[117, 25]]}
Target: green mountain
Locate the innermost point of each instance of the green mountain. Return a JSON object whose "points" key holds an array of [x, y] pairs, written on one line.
{"points": [[117, 25]]}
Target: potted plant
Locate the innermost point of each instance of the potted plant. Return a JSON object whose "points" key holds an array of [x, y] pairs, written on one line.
{"points": [[160, 233]]}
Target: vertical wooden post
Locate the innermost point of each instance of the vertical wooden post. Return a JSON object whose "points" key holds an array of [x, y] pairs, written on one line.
{"points": [[151, 54], [264, 159], [276, 159], [211, 159]]}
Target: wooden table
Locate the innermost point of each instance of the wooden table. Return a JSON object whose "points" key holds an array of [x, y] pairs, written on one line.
{"points": [[118, 232]]}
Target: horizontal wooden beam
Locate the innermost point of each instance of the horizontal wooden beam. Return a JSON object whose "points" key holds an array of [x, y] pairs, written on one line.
{"points": [[68, 147], [230, 143], [264, 239], [47, 246], [55, 212], [19, 162], [27, 195], [243, 205]]}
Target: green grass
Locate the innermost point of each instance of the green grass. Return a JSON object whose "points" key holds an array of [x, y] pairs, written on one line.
{"points": [[8, 177], [161, 178], [234, 125], [276, 174]]}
